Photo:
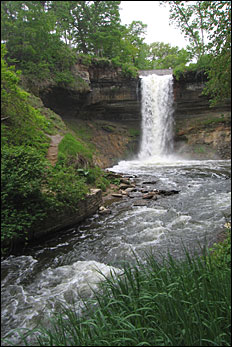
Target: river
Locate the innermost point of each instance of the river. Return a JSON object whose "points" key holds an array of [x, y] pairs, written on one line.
{"points": [[61, 269]]}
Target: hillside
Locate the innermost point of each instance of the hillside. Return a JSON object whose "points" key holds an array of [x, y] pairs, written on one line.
{"points": [[42, 178]]}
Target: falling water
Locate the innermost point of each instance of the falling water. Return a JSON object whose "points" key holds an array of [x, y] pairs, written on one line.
{"points": [[157, 116]]}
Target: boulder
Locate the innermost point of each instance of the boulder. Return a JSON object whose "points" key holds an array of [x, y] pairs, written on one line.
{"points": [[130, 189], [150, 195], [104, 210], [125, 181], [116, 195], [140, 203]]}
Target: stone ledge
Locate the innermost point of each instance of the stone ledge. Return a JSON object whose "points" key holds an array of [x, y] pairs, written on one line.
{"points": [[59, 220]]}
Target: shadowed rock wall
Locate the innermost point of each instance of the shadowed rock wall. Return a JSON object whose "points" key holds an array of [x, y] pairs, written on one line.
{"points": [[108, 94], [201, 131]]}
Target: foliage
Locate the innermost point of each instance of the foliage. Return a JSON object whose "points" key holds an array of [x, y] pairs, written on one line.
{"points": [[201, 66], [23, 172], [24, 125], [74, 152], [43, 38], [134, 132], [190, 18], [129, 70], [218, 86], [27, 30], [207, 24], [221, 252], [172, 303], [31, 188], [164, 56], [67, 186]]}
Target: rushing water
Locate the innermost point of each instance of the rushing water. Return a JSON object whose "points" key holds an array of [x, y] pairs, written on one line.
{"points": [[157, 116], [63, 268]]}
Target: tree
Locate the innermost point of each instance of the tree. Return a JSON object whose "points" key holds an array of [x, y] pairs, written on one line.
{"points": [[189, 16], [28, 30], [87, 25], [164, 56], [207, 24]]}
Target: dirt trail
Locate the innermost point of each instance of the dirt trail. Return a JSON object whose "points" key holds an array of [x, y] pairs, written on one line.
{"points": [[53, 149]]}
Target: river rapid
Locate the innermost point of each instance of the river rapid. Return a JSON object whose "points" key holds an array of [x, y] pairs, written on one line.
{"points": [[33, 284]]}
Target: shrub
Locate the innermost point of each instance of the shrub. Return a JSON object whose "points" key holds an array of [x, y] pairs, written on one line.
{"points": [[23, 172], [129, 70], [67, 186]]}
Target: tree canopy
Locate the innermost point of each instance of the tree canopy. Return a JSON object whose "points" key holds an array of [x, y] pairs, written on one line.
{"points": [[43, 39], [207, 25]]}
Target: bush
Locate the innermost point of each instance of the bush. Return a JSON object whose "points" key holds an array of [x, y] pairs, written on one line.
{"points": [[23, 173], [67, 186], [31, 188], [221, 252], [129, 70], [85, 59]]}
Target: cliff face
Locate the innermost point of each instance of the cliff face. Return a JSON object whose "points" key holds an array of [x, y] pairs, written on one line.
{"points": [[107, 94], [109, 104], [106, 105], [201, 131]]}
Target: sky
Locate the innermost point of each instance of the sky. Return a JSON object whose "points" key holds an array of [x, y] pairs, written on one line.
{"points": [[157, 19]]}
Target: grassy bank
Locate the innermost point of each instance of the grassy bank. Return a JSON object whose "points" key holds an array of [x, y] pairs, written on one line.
{"points": [[177, 303]]}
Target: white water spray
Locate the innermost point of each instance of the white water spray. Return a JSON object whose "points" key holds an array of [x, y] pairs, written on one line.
{"points": [[157, 116]]}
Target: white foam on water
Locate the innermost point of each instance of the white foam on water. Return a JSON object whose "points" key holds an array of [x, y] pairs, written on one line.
{"points": [[32, 304]]}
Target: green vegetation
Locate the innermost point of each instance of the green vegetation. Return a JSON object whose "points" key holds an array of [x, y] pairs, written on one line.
{"points": [[23, 173], [134, 132], [214, 120], [173, 303], [45, 39], [30, 187], [221, 252], [207, 26], [199, 149], [70, 147]]}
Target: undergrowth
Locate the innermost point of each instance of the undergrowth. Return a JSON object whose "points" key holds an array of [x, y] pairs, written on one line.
{"points": [[31, 187]]}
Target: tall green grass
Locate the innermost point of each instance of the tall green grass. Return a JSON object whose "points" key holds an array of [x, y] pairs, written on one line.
{"points": [[176, 303]]}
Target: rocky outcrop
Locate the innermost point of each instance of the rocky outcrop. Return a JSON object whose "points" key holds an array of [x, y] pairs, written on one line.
{"points": [[59, 220], [201, 131], [189, 100], [68, 217], [105, 94], [108, 94]]}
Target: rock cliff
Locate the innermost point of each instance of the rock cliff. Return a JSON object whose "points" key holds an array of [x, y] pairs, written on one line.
{"points": [[106, 104], [201, 131], [109, 104], [106, 94]]}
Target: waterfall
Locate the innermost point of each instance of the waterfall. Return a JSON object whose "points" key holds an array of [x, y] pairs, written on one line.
{"points": [[157, 116]]}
